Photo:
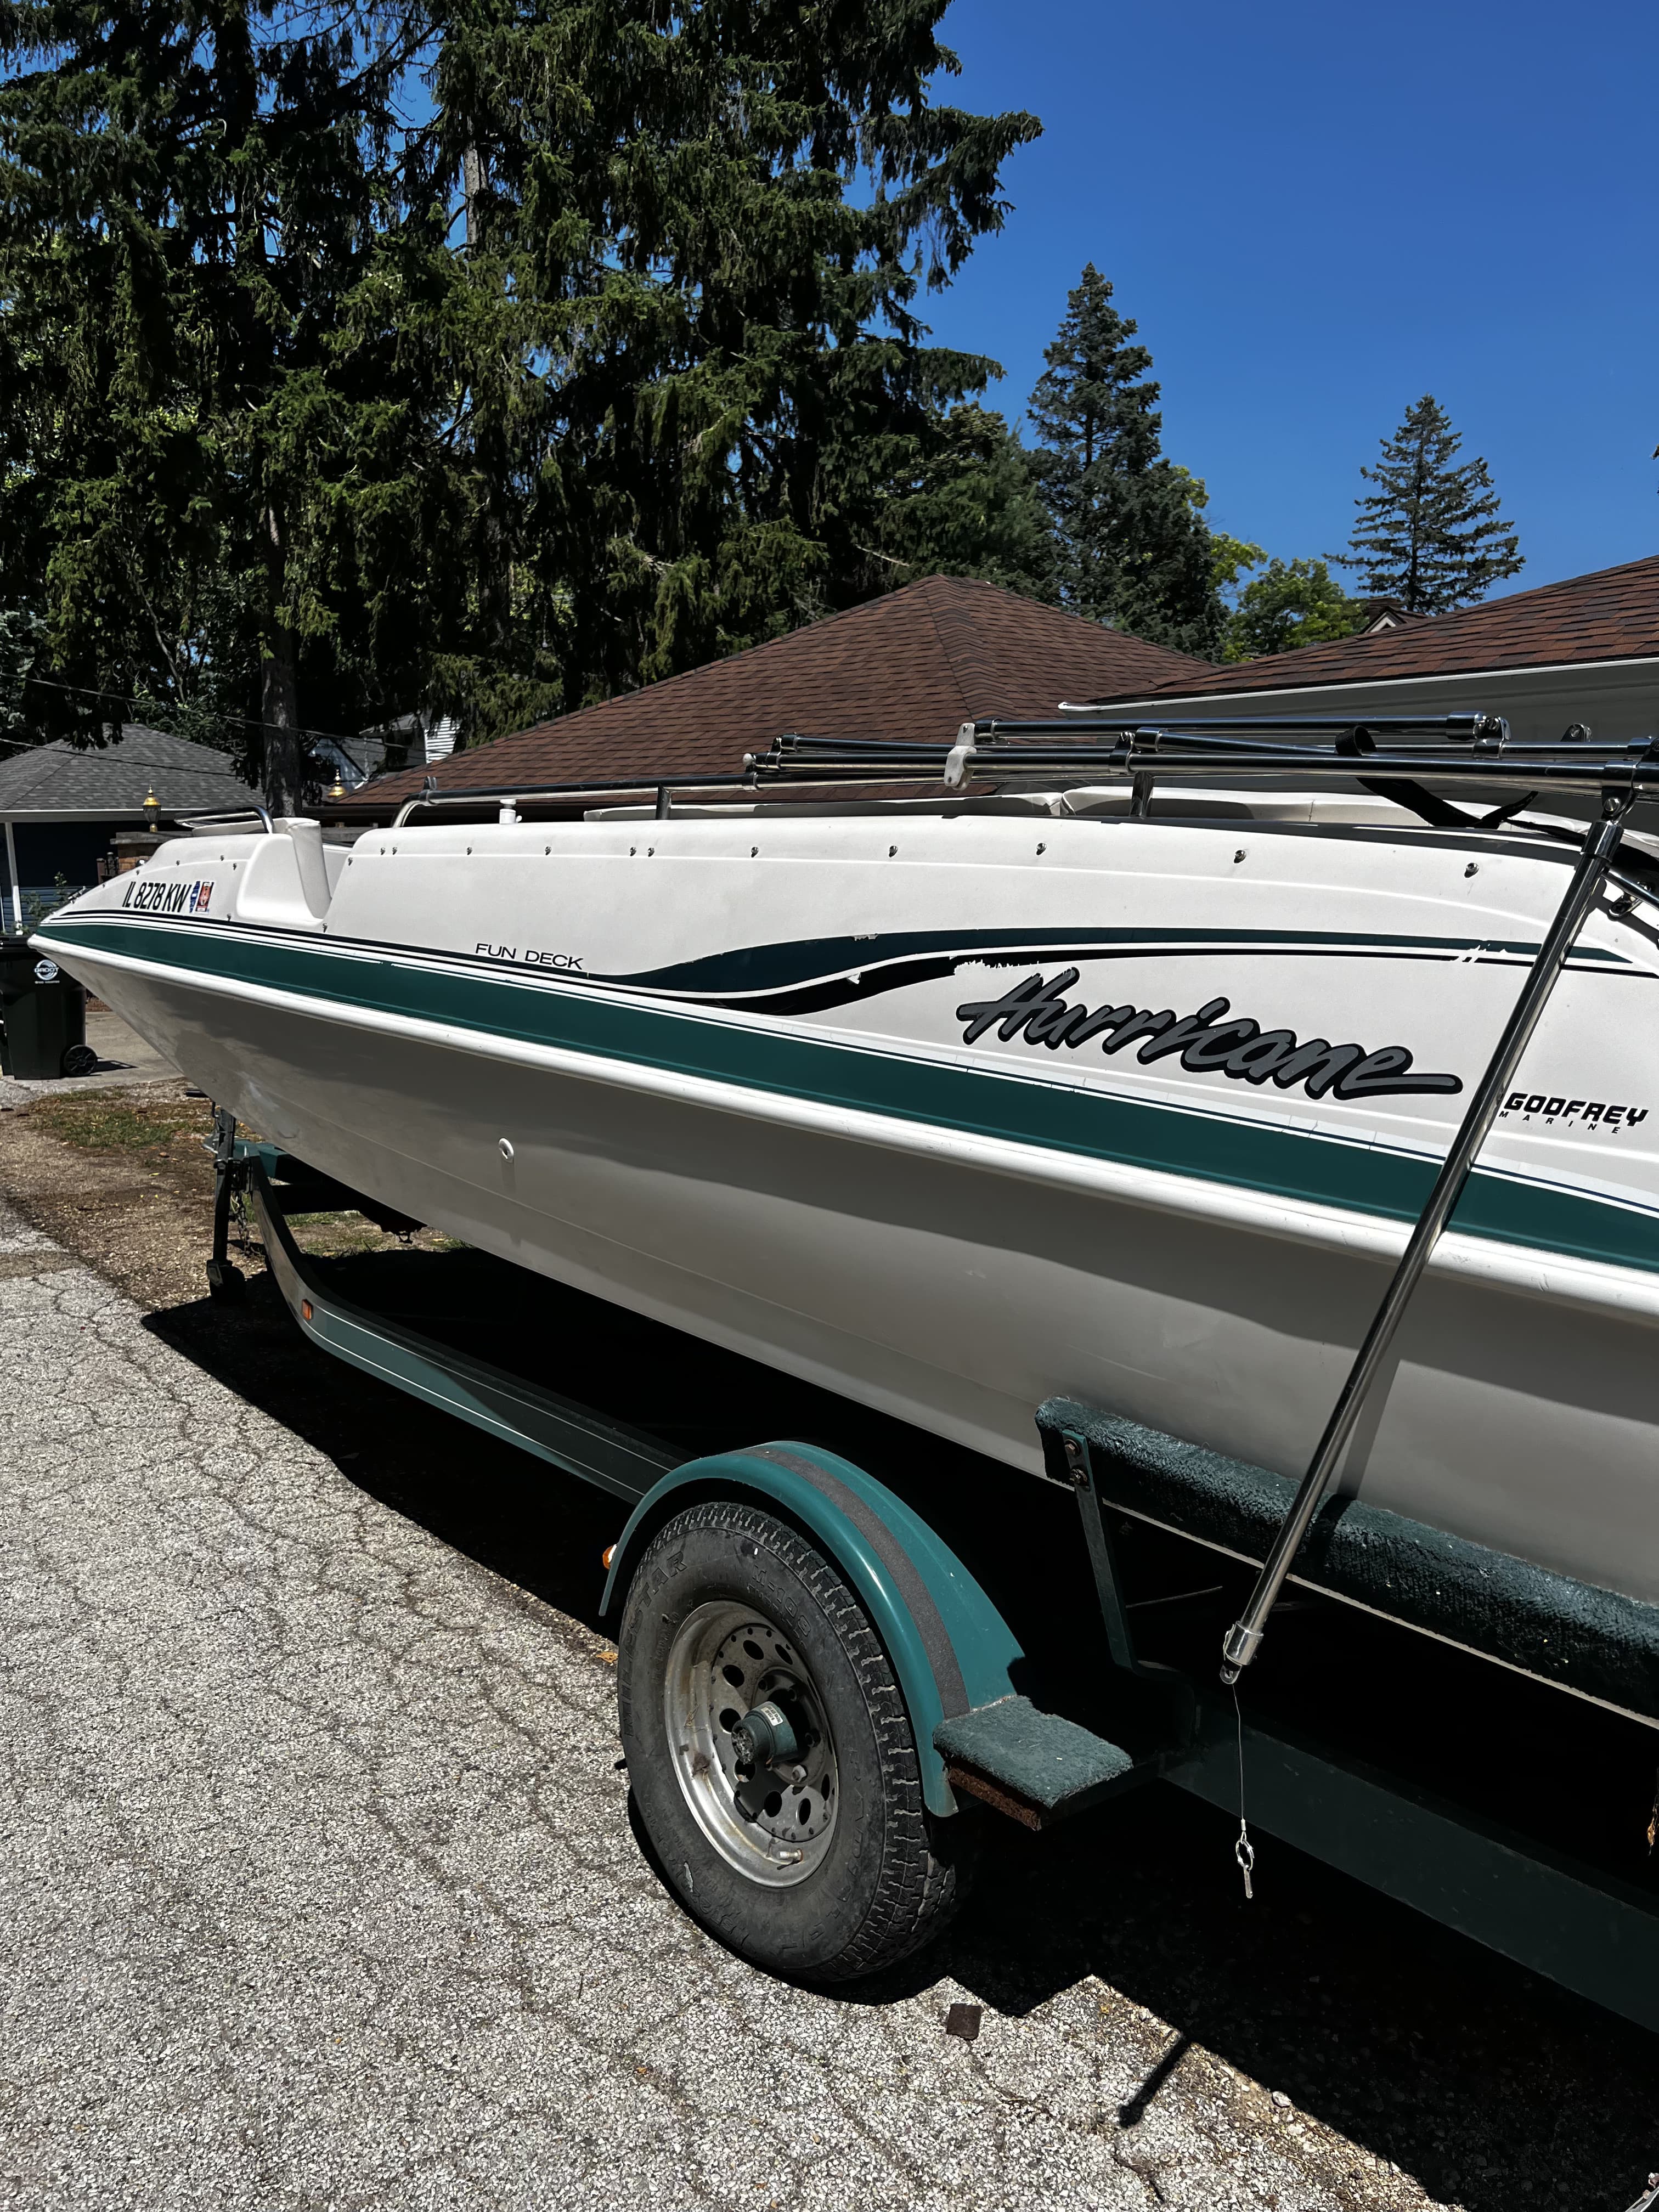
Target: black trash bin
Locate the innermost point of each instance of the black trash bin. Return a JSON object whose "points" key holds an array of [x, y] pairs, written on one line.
{"points": [[43, 1016]]}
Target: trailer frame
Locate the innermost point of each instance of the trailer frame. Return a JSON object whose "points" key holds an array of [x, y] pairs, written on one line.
{"points": [[1570, 1922]]}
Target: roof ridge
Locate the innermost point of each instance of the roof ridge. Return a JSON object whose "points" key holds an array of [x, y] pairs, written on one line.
{"points": [[943, 642], [889, 668], [1508, 600]]}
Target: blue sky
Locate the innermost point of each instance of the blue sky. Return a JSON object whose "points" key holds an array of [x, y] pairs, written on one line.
{"points": [[1317, 213]]}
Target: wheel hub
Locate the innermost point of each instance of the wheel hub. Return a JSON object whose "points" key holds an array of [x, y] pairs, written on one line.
{"points": [[765, 1737], [751, 1743]]}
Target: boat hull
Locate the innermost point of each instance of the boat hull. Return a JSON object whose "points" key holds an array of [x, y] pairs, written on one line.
{"points": [[957, 1115], [955, 1282]]}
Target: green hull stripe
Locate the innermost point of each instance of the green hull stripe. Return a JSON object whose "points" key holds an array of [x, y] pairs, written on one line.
{"points": [[990, 1101], [809, 959]]}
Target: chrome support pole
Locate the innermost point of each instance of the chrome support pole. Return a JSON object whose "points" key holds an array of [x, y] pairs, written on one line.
{"points": [[1601, 840], [664, 802]]}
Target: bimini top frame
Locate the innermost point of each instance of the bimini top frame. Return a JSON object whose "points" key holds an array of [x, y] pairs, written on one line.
{"points": [[509, 797], [1392, 756], [1377, 751]]}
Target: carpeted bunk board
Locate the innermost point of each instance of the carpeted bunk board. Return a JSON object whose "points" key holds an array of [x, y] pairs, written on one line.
{"points": [[1595, 1641]]}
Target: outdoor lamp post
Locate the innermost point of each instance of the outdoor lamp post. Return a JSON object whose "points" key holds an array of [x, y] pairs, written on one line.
{"points": [[152, 810]]}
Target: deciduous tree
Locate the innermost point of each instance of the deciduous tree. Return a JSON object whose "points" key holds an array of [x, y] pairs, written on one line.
{"points": [[1291, 602]]}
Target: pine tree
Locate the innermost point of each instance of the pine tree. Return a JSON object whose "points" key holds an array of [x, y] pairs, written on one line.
{"points": [[1132, 547], [1430, 535], [745, 391], [239, 364], [970, 509], [323, 398], [19, 637]]}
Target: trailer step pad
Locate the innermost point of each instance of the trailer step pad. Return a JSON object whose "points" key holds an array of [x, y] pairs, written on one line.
{"points": [[1034, 1766]]}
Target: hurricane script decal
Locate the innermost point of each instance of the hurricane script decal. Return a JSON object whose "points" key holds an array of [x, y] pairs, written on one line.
{"points": [[1213, 1041]]}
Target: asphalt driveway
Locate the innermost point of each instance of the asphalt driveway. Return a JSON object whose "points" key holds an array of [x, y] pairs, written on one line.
{"points": [[317, 1886]]}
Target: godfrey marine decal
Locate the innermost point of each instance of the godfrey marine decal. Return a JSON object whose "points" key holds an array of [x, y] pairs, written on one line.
{"points": [[1237, 1047]]}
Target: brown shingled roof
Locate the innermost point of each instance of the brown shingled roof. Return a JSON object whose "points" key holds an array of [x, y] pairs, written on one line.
{"points": [[1612, 615], [914, 666]]}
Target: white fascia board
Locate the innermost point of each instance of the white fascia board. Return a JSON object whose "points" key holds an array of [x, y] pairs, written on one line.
{"points": [[1554, 675]]}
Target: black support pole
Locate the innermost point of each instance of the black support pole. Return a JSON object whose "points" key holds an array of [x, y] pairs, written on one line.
{"points": [[224, 1281]]}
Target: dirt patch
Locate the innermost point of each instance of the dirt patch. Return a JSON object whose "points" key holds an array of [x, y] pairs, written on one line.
{"points": [[124, 1179]]}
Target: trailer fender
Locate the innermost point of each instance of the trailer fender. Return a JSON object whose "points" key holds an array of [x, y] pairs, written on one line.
{"points": [[951, 1649]]}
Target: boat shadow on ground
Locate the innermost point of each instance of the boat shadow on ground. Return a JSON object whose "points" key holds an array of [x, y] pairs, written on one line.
{"points": [[1491, 2087]]}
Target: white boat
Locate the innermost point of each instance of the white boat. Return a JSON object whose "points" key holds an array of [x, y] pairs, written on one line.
{"points": [[955, 1108]]}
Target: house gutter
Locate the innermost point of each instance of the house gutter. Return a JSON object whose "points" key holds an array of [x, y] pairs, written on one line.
{"points": [[49, 814]]}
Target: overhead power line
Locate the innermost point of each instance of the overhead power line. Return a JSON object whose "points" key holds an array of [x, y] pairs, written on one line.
{"points": [[129, 759], [120, 699], [140, 760]]}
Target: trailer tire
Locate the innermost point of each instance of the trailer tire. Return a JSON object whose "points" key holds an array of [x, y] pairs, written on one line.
{"points": [[865, 1875]]}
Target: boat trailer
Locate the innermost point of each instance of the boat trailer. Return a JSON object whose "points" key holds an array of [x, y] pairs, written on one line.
{"points": [[957, 1659]]}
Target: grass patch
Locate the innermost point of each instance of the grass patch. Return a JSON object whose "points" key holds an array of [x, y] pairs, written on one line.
{"points": [[109, 1123], [343, 1235]]}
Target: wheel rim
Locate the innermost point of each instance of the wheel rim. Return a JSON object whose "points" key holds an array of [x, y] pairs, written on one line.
{"points": [[773, 1824]]}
